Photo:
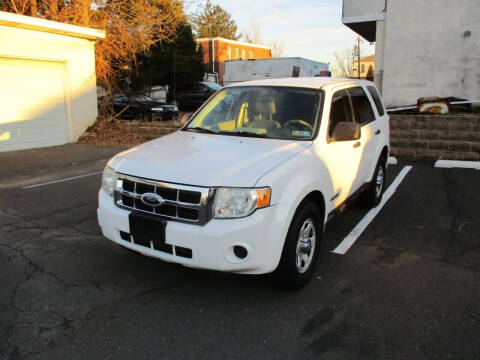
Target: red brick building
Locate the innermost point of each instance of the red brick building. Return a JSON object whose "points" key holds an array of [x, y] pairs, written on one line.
{"points": [[218, 50]]}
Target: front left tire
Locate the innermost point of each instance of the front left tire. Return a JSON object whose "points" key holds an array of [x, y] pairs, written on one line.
{"points": [[301, 248]]}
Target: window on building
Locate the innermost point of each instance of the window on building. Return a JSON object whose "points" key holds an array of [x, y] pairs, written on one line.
{"points": [[376, 100], [362, 68], [340, 111], [362, 108], [250, 54], [296, 71], [236, 54], [243, 54], [229, 53]]}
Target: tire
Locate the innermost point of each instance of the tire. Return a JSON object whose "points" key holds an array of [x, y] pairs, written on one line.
{"points": [[294, 271], [374, 192]]}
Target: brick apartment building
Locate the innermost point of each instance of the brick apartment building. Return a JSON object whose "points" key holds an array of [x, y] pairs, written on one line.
{"points": [[218, 50]]}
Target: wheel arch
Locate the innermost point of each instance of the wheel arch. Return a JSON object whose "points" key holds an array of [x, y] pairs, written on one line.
{"points": [[317, 198], [384, 153]]}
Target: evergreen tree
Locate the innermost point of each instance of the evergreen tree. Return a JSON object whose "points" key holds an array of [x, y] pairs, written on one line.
{"points": [[212, 21], [370, 73], [168, 61]]}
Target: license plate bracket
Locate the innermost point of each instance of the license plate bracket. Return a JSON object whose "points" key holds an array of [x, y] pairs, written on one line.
{"points": [[145, 228]]}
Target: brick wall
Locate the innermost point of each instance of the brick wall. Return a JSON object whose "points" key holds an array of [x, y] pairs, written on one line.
{"points": [[148, 130], [453, 137], [226, 50], [222, 54]]}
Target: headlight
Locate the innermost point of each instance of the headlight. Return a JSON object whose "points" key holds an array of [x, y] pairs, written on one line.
{"points": [[236, 202], [175, 108], [108, 180]]}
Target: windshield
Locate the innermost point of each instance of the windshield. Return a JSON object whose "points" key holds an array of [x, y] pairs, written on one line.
{"points": [[260, 111]]}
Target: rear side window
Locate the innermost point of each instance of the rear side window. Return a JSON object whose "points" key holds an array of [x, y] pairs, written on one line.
{"points": [[362, 109], [340, 111], [376, 99]]}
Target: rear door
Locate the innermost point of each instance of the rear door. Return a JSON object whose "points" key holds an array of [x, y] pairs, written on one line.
{"points": [[365, 116]]}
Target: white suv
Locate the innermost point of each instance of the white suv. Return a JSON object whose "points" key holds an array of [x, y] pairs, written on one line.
{"points": [[248, 184]]}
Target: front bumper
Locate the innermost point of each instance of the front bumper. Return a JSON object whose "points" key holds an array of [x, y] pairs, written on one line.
{"points": [[262, 234]]}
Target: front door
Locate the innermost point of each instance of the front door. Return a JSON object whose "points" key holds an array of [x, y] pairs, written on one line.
{"points": [[342, 158]]}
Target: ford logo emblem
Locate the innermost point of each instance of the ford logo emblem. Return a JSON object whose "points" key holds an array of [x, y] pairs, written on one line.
{"points": [[152, 199]]}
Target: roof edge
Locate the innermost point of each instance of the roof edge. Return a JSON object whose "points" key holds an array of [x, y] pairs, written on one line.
{"points": [[54, 27], [235, 42], [280, 58]]}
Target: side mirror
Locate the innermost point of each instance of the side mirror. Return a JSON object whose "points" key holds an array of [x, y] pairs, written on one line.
{"points": [[346, 131]]}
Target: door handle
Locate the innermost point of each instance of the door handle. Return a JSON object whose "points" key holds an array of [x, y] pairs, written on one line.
{"points": [[377, 132], [357, 144]]}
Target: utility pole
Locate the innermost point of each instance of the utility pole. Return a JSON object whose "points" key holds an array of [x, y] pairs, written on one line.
{"points": [[174, 85], [358, 55]]}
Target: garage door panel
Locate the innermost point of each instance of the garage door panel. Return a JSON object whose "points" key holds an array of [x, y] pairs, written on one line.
{"points": [[51, 123], [29, 115], [17, 96], [32, 99], [15, 145], [32, 131]]}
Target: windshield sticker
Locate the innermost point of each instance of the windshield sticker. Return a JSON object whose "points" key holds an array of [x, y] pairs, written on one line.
{"points": [[301, 133]]}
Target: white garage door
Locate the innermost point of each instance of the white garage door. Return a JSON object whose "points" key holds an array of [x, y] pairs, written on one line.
{"points": [[32, 104]]}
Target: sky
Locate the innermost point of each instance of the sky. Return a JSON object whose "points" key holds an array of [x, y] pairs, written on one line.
{"points": [[311, 29]]}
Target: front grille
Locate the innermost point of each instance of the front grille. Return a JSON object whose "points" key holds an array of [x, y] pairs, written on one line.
{"points": [[184, 203]]}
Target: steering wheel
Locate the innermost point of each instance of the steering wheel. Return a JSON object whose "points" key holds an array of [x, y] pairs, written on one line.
{"points": [[296, 122]]}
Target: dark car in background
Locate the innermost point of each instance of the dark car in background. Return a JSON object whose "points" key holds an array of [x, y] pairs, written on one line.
{"points": [[141, 106], [190, 96]]}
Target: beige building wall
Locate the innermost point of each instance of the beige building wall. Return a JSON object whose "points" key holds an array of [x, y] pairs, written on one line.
{"points": [[365, 64], [74, 53], [431, 50]]}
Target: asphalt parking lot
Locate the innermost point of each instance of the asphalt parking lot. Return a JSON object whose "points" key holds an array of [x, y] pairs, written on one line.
{"points": [[408, 288]]}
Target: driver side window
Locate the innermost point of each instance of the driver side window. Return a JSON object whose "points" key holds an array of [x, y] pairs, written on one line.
{"points": [[340, 110]]}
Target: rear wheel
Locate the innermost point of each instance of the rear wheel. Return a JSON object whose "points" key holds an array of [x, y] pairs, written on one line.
{"points": [[301, 248], [374, 193]]}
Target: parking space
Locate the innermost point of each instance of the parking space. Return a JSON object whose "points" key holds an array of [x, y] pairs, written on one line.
{"points": [[407, 288]]}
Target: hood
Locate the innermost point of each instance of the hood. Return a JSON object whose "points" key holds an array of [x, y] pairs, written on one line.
{"points": [[205, 159]]}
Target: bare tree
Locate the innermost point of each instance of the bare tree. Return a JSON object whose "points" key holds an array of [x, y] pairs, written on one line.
{"points": [[278, 48], [343, 65], [131, 26], [253, 36], [253, 33]]}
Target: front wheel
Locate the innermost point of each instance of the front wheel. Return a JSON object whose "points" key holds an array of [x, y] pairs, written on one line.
{"points": [[301, 248]]}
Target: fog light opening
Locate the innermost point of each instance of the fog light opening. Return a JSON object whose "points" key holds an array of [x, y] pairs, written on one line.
{"points": [[240, 252]]}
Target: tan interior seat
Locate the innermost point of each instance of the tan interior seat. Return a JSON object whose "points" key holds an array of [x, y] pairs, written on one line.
{"points": [[265, 110]]}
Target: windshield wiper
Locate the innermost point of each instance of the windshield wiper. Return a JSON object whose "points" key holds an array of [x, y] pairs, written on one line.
{"points": [[201, 130], [244, 134]]}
